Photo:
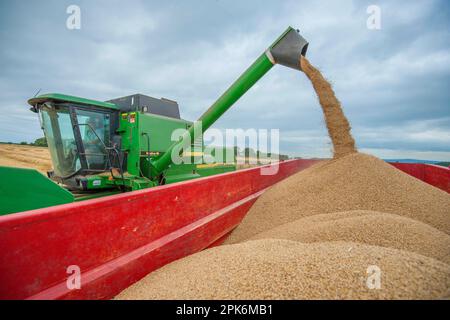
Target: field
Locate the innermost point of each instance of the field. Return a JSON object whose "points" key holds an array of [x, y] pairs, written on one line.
{"points": [[23, 156]]}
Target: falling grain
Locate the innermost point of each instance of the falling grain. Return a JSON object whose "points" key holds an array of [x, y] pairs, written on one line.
{"points": [[335, 119]]}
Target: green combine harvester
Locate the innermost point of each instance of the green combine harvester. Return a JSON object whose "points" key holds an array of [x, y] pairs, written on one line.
{"points": [[102, 148]]}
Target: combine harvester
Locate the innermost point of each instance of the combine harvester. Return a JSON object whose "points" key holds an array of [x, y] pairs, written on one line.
{"points": [[121, 208], [101, 148]]}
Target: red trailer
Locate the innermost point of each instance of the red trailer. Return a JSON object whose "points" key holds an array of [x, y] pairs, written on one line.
{"points": [[117, 240]]}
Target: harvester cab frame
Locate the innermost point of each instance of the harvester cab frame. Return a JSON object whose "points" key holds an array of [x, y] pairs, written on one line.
{"points": [[82, 138]]}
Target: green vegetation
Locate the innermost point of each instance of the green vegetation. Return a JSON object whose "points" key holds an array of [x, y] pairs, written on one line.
{"points": [[41, 142], [443, 164]]}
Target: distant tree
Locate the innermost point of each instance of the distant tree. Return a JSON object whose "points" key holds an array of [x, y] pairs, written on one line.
{"points": [[41, 142], [24, 143], [236, 151], [249, 152], [443, 164]]}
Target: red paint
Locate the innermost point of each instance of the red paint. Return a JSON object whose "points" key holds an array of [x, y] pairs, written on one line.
{"points": [[434, 175], [117, 240]]}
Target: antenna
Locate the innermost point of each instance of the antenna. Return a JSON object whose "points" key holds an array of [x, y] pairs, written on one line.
{"points": [[37, 92]]}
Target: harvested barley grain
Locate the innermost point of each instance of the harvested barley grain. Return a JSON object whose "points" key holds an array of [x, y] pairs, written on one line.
{"points": [[368, 227], [354, 182], [283, 269]]}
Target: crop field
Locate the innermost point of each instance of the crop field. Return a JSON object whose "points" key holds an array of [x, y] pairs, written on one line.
{"points": [[23, 156]]}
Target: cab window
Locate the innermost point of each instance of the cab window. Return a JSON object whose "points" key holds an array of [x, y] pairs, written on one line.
{"points": [[95, 134]]}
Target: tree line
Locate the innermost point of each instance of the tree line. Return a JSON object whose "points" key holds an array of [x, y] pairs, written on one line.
{"points": [[40, 142]]}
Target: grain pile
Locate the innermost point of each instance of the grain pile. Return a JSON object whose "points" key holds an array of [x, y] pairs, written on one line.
{"points": [[316, 234], [366, 227], [283, 269], [354, 182]]}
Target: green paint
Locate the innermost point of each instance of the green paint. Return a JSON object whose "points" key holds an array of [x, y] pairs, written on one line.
{"points": [[96, 195], [66, 98], [213, 170], [159, 130], [97, 182], [128, 129], [146, 136], [27, 189]]}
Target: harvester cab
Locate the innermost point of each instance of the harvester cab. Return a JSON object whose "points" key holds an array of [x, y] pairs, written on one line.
{"points": [[79, 135], [97, 146]]}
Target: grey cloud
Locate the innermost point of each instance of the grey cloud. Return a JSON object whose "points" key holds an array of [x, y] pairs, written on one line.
{"points": [[393, 83]]}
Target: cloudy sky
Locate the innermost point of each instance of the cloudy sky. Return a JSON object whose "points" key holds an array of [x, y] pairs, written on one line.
{"points": [[394, 83]]}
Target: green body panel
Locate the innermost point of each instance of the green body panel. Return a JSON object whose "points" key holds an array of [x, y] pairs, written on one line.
{"points": [[27, 189], [128, 130], [210, 170], [159, 130], [146, 137], [95, 195], [183, 172], [66, 98], [97, 182]]}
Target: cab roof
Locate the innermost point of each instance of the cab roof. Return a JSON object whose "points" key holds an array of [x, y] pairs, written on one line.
{"points": [[57, 97]]}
